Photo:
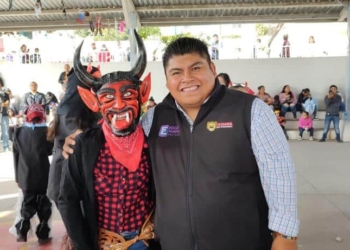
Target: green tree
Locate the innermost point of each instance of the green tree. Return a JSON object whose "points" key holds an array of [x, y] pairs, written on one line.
{"points": [[168, 39], [261, 29], [146, 32]]}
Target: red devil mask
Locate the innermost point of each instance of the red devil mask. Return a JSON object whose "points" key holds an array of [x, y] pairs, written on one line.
{"points": [[117, 95]]}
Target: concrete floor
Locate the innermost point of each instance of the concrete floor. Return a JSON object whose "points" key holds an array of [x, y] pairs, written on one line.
{"points": [[323, 175]]}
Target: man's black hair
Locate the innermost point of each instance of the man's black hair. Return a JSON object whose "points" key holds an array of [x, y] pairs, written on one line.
{"points": [[2, 82], [185, 45], [335, 86]]}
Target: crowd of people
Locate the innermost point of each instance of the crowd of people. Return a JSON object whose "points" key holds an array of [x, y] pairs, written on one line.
{"points": [[137, 183], [305, 103]]}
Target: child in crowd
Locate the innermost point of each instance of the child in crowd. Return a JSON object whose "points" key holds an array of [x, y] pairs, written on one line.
{"points": [[282, 121], [305, 124], [31, 153]]}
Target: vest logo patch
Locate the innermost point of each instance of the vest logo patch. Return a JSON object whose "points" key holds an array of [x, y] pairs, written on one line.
{"points": [[167, 130], [213, 125]]}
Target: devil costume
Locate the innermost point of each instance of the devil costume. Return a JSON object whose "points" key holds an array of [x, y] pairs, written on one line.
{"points": [[106, 192], [31, 153]]}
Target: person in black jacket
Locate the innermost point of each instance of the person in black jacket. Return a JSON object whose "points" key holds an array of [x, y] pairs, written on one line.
{"points": [[106, 199], [31, 153], [64, 75]]}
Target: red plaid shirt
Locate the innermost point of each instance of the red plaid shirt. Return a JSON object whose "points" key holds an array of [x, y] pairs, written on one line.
{"points": [[122, 196]]}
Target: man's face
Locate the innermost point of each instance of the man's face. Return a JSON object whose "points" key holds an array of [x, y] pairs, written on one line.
{"points": [[190, 79], [93, 46], [334, 90], [33, 87], [66, 68], [119, 103]]}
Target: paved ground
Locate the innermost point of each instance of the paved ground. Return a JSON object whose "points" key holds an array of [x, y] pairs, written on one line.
{"points": [[323, 173]]}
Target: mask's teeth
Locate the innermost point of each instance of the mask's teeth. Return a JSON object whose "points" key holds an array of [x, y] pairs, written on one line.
{"points": [[114, 118], [127, 117]]}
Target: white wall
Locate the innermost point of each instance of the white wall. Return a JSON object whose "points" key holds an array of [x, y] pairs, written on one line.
{"points": [[314, 73]]}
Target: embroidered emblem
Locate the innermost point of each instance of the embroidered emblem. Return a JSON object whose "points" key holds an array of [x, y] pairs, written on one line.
{"points": [[211, 126], [167, 130]]}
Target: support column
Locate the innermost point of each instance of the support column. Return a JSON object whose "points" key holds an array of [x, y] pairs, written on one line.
{"points": [[347, 89], [345, 123]]}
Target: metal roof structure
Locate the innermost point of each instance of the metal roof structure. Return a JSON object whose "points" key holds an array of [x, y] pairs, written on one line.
{"points": [[21, 16]]}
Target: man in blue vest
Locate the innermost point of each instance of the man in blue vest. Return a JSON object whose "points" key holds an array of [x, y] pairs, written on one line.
{"points": [[222, 169]]}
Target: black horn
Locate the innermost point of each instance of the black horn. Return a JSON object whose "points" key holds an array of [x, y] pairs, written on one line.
{"points": [[141, 61], [80, 70]]}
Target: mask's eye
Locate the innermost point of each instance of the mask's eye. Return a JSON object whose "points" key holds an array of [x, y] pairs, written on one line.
{"points": [[109, 96], [127, 94]]}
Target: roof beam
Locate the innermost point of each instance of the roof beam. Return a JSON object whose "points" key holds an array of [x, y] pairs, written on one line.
{"points": [[240, 6], [59, 12], [72, 24], [343, 14], [237, 19], [129, 7]]}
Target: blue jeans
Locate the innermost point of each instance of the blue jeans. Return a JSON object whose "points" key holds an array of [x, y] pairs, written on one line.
{"points": [[301, 131], [139, 245], [290, 107], [5, 131], [342, 107], [327, 124]]}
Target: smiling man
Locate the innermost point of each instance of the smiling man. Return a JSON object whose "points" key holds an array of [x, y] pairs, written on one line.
{"points": [[223, 172]]}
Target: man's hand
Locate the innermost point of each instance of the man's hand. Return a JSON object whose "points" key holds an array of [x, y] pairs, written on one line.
{"points": [[280, 243], [68, 142]]}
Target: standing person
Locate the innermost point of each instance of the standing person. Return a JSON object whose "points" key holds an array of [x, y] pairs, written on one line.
{"points": [[4, 116], [189, 134], [117, 201], [334, 89], [215, 46], [36, 57], [32, 97], [31, 153], [104, 55], [306, 124], [285, 47], [64, 75], [333, 103]]}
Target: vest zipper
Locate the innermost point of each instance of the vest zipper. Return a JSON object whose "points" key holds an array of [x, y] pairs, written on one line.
{"points": [[190, 193]]}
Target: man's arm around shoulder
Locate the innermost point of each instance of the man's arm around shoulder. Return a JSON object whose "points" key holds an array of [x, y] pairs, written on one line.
{"points": [[71, 195]]}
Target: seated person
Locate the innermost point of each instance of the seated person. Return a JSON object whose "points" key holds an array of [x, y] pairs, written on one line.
{"points": [[307, 103], [262, 95], [277, 106], [288, 101], [305, 124], [282, 121]]}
